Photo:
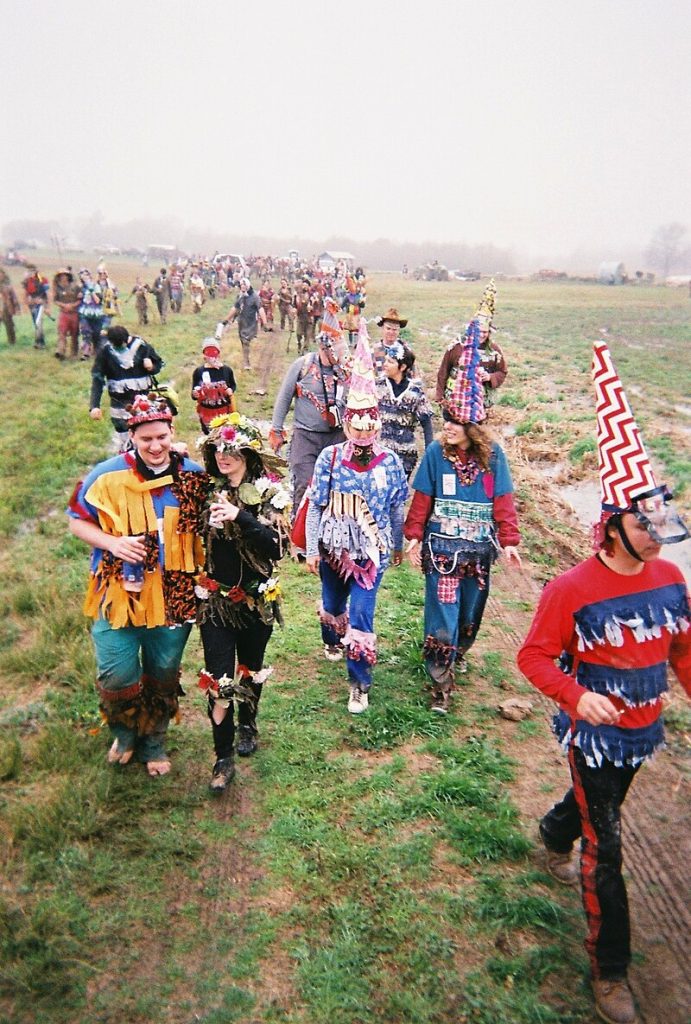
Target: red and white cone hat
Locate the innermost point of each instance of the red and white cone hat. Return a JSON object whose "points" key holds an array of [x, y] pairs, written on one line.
{"points": [[625, 470]]}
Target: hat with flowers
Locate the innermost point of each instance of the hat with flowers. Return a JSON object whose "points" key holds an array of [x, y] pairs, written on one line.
{"points": [[235, 434]]}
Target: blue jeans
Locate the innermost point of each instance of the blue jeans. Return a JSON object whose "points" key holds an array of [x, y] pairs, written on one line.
{"points": [[348, 618], [452, 621], [138, 673]]}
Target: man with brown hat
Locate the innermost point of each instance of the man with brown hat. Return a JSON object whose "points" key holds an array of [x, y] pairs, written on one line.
{"points": [[391, 324]]}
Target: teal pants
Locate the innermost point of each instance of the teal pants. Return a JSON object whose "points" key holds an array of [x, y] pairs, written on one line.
{"points": [[136, 655]]}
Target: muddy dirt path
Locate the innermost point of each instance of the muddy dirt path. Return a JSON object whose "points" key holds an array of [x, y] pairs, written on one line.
{"points": [[657, 833]]}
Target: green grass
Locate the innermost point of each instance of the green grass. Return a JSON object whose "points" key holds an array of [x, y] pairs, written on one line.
{"points": [[373, 869]]}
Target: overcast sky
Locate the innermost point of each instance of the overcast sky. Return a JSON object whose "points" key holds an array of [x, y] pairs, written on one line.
{"points": [[542, 125]]}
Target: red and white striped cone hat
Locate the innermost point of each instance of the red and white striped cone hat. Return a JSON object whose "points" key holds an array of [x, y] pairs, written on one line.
{"points": [[627, 481], [625, 470]]}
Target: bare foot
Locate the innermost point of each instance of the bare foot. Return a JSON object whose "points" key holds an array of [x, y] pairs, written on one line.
{"points": [[118, 756], [157, 768]]}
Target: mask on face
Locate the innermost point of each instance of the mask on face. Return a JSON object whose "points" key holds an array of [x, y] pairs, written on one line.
{"points": [[656, 511]]}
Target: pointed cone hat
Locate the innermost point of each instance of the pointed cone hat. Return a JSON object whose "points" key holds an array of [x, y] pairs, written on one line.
{"points": [[362, 410], [625, 470], [485, 311], [331, 327], [466, 402]]}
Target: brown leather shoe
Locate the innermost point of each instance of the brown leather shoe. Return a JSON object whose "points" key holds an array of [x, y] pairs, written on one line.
{"points": [[614, 1001], [563, 867]]}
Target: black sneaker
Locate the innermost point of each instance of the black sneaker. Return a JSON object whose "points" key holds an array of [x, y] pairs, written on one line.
{"points": [[247, 743], [223, 772]]}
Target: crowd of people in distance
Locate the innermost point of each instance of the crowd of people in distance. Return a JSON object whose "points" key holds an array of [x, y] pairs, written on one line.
{"points": [[358, 481]]}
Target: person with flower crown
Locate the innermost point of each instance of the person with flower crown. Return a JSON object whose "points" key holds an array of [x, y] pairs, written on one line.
{"points": [[600, 645], [245, 521], [137, 512], [492, 370], [354, 528], [461, 518]]}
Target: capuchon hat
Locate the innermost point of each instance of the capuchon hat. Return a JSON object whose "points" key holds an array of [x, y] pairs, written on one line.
{"points": [[208, 343], [627, 481], [466, 401], [330, 333], [392, 316], [485, 311], [232, 434], [362, 410], [150, 408]]}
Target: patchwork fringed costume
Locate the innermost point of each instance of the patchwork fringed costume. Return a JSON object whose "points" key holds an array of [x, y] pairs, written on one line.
{"points": [[355, 521], [139, 634], [462, 515], [615, 623]]}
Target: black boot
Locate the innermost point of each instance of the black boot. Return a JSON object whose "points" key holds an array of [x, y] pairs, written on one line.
{"points": [[247, 741], [247, 721], [223, 772]]}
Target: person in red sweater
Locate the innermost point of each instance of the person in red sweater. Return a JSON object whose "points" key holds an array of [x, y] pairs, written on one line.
{"points": [[614, 623]]}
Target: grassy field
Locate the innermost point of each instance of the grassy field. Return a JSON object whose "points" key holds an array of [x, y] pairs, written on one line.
{"points": [[372, 870]]}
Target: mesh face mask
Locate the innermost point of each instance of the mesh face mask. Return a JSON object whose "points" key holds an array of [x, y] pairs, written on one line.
{"points": [[657, 512]]}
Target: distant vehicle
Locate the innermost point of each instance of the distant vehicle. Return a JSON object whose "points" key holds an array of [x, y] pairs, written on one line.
{"points": [[107, 250], [431, 272], [464, 275], [231, 257], [14, 258]]}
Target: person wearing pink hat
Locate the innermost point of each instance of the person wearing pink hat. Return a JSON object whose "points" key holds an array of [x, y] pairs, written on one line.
{"points": [[355, 529], [600, 645]]}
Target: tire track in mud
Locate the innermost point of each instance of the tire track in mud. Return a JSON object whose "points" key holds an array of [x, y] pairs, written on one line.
{"points": [[657, 846]]}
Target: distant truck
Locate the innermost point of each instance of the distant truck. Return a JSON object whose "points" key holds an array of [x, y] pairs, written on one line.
{"points": [[431, 272]]}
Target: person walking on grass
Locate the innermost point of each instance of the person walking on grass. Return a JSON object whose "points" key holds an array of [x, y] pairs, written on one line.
{"points": [[125, 366], [136, 512], [461, 518], [403, 405], [9, 306], [355, 529], [37, 297], [213, 385], [614, 624], [244, 520], [249, 312], [493, 369], [317, 382]]}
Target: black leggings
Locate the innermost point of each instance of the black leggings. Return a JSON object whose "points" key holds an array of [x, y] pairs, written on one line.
{"points": [[224, 646]]}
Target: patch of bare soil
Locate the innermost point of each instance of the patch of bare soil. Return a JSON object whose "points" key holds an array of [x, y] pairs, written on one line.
{"points": [[656, 829]]}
